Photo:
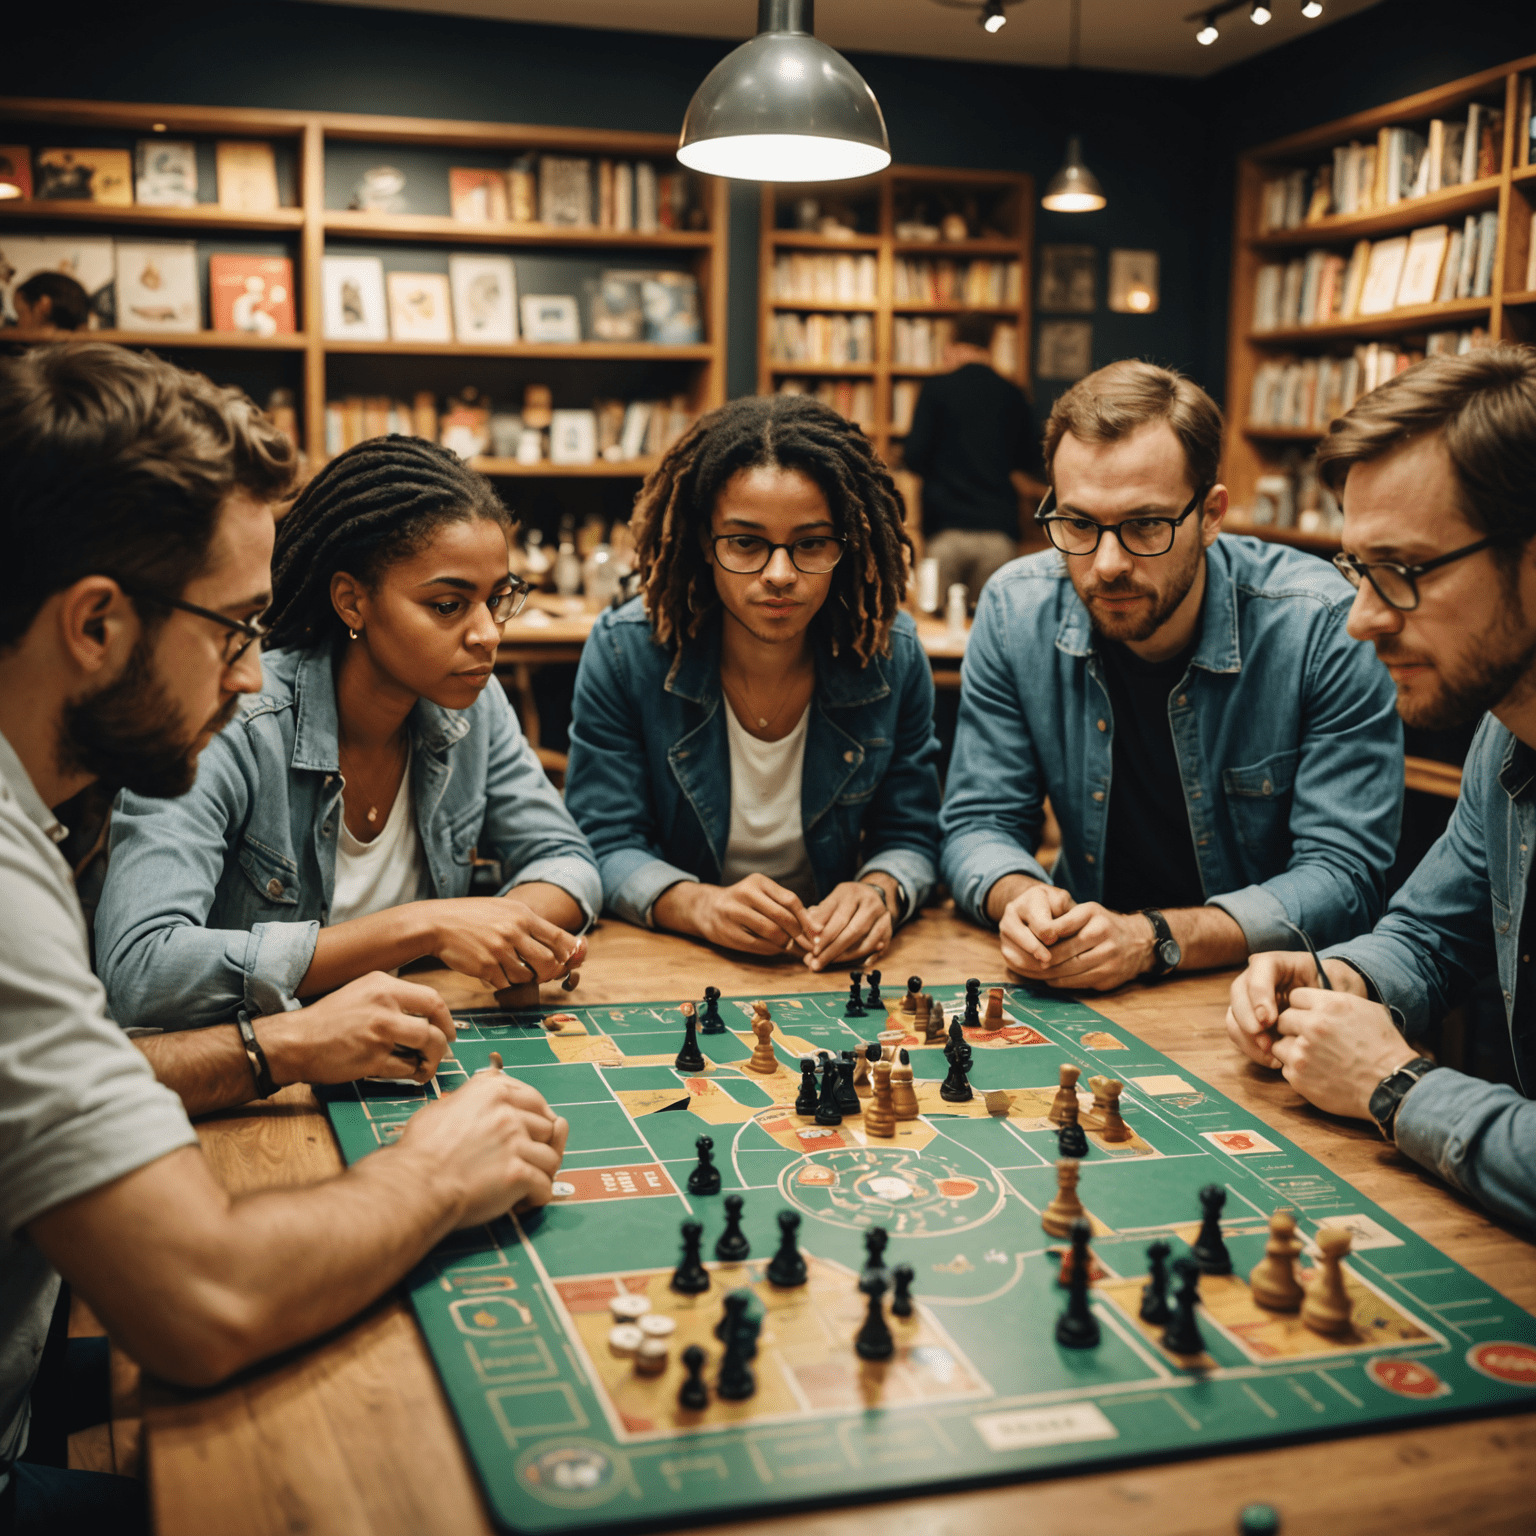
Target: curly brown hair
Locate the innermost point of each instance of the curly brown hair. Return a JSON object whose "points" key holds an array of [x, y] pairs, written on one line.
{"points": [[784, 432]]}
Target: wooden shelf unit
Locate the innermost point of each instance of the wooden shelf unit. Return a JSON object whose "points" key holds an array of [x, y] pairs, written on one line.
{"points": [[310, 225], [886, 191], [1252, 450]]}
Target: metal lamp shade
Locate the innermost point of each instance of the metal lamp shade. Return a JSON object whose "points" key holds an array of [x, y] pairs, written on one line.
{"points": [[1074, 188], [784, 107]]}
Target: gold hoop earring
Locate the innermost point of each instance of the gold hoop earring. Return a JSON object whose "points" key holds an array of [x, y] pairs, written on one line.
{"points": [[352, 633]]}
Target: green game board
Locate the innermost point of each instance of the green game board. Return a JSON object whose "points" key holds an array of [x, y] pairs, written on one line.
{"points": [[564, 1435]]}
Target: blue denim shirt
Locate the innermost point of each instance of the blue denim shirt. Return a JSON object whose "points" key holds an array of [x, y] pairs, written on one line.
{"points": [[649, 779], [1456, 919], [1286, 732], [216, 899]]}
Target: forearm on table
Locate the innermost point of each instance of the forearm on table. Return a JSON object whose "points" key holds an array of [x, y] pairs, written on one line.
{"points": [[1207, 937], [382, 941], [207, 1068], [677, 908], [550, 902]]}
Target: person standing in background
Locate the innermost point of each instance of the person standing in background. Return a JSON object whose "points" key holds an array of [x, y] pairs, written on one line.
{"points": [[973, 441]]}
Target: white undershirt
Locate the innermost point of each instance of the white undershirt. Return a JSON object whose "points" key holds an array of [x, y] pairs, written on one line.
{"points": [[767, 834], [389, 871]]}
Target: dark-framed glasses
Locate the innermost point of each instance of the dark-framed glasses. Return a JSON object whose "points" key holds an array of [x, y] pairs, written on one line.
{"points": [[744, 554], [1398, 585], [508, 604], [241, 634], [1074, 534]]}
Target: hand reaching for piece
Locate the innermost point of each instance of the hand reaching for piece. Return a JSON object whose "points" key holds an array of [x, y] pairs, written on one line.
{"points": [[501, 941]]}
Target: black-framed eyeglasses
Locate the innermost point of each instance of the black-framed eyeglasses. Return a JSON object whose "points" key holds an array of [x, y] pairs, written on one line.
{"points": [[508, 604], [242, 633], [744, 554], [1398, 585], [1075, 535]]}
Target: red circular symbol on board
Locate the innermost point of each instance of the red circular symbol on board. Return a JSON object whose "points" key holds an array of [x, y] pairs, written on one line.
{"points": [[958, 1189], [1514, 1363], [1407, 1378]]}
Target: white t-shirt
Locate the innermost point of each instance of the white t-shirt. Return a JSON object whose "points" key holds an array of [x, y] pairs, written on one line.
{"points": [[389, 871], [767, 834]]}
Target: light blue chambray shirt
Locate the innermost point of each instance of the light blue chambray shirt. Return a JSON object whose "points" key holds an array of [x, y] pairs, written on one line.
{"points": [[214, 900]]}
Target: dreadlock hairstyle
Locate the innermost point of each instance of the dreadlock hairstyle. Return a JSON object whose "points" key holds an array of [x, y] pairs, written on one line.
{"points": [[374, 505], [784, 432]]}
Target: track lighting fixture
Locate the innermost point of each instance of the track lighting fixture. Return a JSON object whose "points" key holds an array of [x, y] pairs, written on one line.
{"points": [[1208, 33], [992, 17], [1259, 13]]}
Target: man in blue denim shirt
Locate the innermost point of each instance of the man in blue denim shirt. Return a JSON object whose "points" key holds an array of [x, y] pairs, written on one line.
{"points": [[1223, 760], [1436, 468]]}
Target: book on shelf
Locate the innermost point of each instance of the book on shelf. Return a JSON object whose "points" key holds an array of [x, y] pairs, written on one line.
{"points": [[824, 339], [523, 190], [476, 195], [419, 306], [822, 279], [165, 173], [1005, 348], [16, 168], [565, 191], [624, 196], [1487, 245], [1384, 275], [647, 211], [945, 281], [157, 286], [904, 394], [247, 175], [91, 261], [853, 399], [1450, 269], [253, 294], [1420, 280], [84, 175]]}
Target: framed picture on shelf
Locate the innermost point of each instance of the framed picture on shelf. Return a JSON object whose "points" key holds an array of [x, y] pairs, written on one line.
{"points": [[247, 175], [1422, 262], [484, 299], [1133, 282], [165, 173], [477, 196], [253, 294], [671, 304], [157, 286], [573, 437], [92, 262], [618, 313], [1067, 279], [352, 298], [1383, 275], [419, 309], [550, 317], [1066, 349], [84, 175], [16, 168]]}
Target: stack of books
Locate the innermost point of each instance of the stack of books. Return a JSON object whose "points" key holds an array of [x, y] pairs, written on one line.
{"points": [[812, 279], [823, 339], [980, 283]]}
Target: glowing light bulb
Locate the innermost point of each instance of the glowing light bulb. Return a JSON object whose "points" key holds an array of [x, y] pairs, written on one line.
{"points": [[1208, 33], [1260, 14]]}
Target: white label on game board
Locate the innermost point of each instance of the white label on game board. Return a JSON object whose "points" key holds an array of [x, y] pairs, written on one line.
{"points": [[1167, 1083], [1364, 1231], [1044, 1426], [1240, 1143]]}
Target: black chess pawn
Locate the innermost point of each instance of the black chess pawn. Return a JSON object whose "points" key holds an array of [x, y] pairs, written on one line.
{"points": [[973, 1004], [712, 1023], [1154, 1294], [956, 1087], [914, 990], [1071, 1140], [690, 1277], [848, 1102], [693, 1394], [1077, 1327], [787, 1267], [872, 1001], [735, 1305], [958, 1044], [732, 1246], [874, 1341], [827, 1110], [1210, 1249], [1183, 1335], [854, 1008], [875, 1241], [705, 1178], [805, 1100], [901, 1302], [690, 1058], [737, 1379]]}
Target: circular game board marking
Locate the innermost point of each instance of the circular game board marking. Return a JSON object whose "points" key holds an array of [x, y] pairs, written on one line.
{"points": [[1514, 1363], [1407, 1378], [573, 1474], [857, 1187]]}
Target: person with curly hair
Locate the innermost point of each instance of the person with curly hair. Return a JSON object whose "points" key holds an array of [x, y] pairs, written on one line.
{"points": [[752, 743]]}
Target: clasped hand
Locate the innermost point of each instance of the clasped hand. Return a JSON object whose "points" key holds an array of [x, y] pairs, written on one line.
{"points": [[764, 918], [501, 941], [1049, 937]]}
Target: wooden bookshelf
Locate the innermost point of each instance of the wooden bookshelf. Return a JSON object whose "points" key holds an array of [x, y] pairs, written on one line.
{"points": [[1507, 312], [308, 228], [1004, 199]]}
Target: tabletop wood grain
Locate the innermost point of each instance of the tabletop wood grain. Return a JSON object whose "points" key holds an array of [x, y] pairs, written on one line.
{"points": [[353, 1435]]}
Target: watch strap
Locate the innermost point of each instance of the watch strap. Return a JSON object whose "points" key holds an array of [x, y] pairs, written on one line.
{"points": [[1393, 1089], [1162, 934], [254, 1054]]}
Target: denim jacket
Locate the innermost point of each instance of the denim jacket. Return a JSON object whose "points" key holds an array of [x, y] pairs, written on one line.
{"points": [[1457, 918], [649, 779], [1286, 732], [215, 899]]}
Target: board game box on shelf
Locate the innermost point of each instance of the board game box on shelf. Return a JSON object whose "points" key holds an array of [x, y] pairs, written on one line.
{"points": [[784, 1269]]}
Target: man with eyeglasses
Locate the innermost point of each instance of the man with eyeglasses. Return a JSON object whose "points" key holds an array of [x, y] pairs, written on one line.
{"points": [[1224, 762], [135, 512], [1435, 470]]}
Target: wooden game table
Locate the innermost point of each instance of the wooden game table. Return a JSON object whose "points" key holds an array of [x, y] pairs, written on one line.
{"points": [[353, 1434]]}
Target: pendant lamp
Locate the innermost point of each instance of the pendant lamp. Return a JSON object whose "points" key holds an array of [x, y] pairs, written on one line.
{"points": [[784, 107], [1074, 188]]}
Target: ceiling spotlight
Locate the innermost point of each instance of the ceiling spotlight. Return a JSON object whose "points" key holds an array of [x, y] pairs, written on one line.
{"points": [[1259, 13], [1312, 9], [992, 18], [1208, 33]]}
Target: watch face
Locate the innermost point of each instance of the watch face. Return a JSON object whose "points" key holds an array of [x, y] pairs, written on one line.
{"points": [[1170, 953]]}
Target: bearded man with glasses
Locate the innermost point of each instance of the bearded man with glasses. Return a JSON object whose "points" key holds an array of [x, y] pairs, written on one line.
{"points": [[1225, 762], [1436, 470]]}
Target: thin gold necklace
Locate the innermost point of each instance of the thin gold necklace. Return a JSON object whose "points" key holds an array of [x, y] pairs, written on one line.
{"points": [[764, 723], [373, 809]]}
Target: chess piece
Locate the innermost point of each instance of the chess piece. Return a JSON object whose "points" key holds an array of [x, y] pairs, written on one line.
{"points": [[693, 1395], [973, 1004], [712, 1023], [1182, 1336], [1069, 1258], [879, 1115], [805, 1100], [922, 1015], [1154, 1294], [959, 1048], [1071, 1141], [1077, 1327], [934, 1032], [690, 1277], [737, 1380], [495, 1063], [914, 987], [734, 1310], [1067, 1207], [993, 1018], [1326, 1308], [956, 1087], [1209, 1250], [705, 1178], [872, 1002], [652, 1356], [847, 1098], [874, 1341], [732, 1246], [827, 1111], [763, 1059], [690, 1058], [901, 1302], [1273, 1279], [862, 1059], [1065, 1102], [875, 1241], [903, 1091], [854, 1007], [787, 1268], [1106, 1107]]}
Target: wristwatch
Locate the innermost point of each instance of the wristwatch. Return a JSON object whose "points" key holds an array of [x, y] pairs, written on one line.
{"points": [[1393, 1089], [1165, 948], [254, 1054]]}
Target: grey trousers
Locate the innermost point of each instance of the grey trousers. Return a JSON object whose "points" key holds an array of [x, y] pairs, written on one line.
{"points": [[969, 555]]}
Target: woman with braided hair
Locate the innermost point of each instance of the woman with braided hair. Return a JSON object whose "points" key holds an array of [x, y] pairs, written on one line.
{"points": [[333, 823], [752, 743]]}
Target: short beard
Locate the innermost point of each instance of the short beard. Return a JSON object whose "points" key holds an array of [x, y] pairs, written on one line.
{"points": [[1135, 630], [131, 735]]}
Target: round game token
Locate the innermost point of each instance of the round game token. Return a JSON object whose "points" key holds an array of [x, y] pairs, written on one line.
{"points": [[628, 1306], [657, 1325], [624, 1340], [651, 1358]]}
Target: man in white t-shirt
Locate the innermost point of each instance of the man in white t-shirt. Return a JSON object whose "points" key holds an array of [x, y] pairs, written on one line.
{"points": [[134, 512]]}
